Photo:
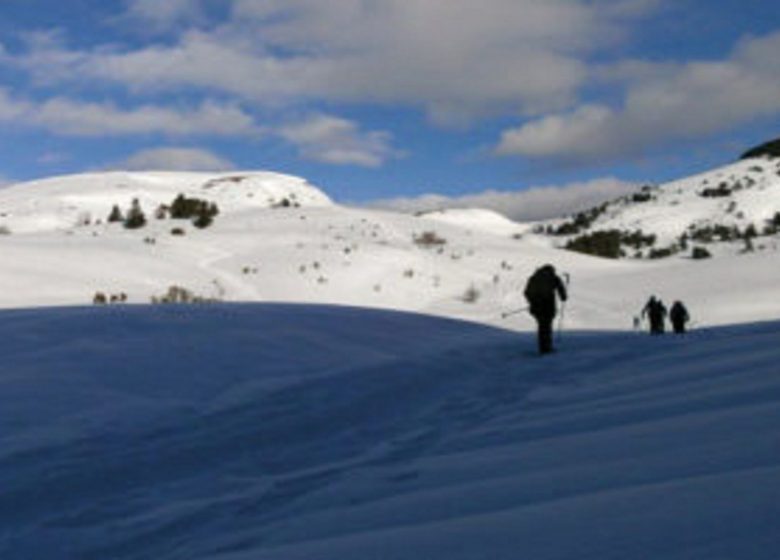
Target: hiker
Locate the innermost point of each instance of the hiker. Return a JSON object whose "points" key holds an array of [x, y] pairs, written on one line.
{"points": [[656, 312], [540, 291], [678, 315]]}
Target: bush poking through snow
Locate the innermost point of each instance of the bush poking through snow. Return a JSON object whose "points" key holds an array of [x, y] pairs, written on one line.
{"points": [[179, 294], [471, 295], [700, 253], [100, 298], [428, 239], [183, 208]]}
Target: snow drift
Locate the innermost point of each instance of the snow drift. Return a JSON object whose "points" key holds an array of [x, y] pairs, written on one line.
{"points": [[235, 432]]}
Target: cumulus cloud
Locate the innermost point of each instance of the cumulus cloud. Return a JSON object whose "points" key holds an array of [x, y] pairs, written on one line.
{"points": [[175, 159], [455, 58], [67, 117], [338, 141], [536, 203], [662, 103]]}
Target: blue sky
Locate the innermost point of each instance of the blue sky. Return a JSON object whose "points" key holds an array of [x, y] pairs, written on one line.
{"points": [[392, 100]]}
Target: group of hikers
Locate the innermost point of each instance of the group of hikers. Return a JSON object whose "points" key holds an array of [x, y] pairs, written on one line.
{"points": [[545, 287], [656, 313]]}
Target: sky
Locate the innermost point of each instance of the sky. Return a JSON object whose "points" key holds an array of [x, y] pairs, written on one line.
{"points": [[528, 106]]}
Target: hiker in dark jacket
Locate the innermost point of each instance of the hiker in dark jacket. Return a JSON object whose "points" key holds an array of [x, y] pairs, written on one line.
{"points": [[678, 315], [540, 292], [656, 312]]}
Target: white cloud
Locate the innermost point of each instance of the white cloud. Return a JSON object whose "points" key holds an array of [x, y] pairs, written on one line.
{"points": [[456, 58], [338, 141], [94, 119], [67, 117], [572, 134], [663, 103], [536, 203], [175, 159]]}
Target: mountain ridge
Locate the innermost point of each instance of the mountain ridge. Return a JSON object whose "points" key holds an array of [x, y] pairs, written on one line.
{"points": [[731, 209]]}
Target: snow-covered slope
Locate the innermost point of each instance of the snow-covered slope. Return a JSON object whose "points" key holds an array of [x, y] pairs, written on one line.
{"points": [[478, 219], [462, 264], [64, 202], [239, 432], [720, 205]]}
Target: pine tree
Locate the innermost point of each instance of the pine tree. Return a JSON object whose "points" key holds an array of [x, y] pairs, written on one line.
{"points": [[115, 215], [135, 216]]}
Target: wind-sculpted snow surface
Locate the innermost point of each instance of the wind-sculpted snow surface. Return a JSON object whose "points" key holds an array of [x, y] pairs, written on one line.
{"points": [[245, 432]]}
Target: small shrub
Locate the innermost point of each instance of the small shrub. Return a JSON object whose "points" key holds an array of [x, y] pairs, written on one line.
{"points": [[720, 191], [203, 220], [284, 203], [471, 295], [179, 294], [599, 243], [177, 231], [662, 252], [428, 239], [699, 253], [5, 230]]}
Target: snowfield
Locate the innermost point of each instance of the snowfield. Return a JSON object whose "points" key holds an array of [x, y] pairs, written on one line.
{"points": [[354, 392], [314, 251], [237, 432]]}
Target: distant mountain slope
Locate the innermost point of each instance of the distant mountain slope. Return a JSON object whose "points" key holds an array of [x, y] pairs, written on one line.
{"points": [[62, 202], [731, 209], [478, 219]]}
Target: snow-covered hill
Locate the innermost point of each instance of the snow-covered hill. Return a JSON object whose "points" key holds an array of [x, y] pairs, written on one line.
{"points": [[716, 211], [246, 432], [62, 203], [463, 264], [478, 219]]}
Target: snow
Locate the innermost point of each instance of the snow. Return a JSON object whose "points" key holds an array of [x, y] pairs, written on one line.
{"points": [[345, 401], [230, 432], [753, 197], [324, 253], [478, 219], [63, 202]]}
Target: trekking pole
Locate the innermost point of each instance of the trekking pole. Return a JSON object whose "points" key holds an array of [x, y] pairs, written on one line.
{"points": [[560, 322], [566, 279], [506, 314]]}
